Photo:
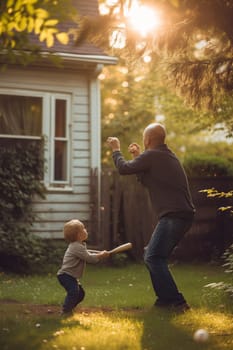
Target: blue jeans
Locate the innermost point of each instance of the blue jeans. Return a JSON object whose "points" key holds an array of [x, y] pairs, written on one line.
{"points": [[75, 292], [165, 237]]}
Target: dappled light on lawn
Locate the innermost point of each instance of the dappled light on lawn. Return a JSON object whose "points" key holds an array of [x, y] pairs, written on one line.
{"points": [[111, 331], [219, 326], [117, 313]]}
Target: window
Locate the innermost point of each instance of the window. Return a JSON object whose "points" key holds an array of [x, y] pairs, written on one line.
{"points": [[20, 115], [60, 139], [24, 115]]}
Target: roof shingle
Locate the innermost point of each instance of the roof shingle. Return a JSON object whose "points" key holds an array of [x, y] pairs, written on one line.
{"points": [[85, 8]]}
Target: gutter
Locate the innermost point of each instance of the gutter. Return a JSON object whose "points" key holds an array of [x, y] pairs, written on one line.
{"points": [[84, 58]]}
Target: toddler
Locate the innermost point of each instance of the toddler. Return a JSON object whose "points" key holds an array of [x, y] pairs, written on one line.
{"points": [[74, 262]]}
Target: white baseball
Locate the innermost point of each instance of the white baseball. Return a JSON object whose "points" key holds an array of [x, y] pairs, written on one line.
{"points": [[201, 336]]}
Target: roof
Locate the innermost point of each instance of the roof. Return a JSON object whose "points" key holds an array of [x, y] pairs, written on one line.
{"points": [[83, 52], [87, 7]]}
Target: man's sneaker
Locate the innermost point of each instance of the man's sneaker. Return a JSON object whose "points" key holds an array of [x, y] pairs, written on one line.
{"points": [[66, 314], [178, 307], [162, 303], [181, 308]]}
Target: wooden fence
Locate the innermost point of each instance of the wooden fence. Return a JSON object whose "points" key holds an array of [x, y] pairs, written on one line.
{"points": [[127, 215]]}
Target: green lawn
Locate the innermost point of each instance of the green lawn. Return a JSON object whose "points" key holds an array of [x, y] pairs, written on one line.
{"points": [[117, 312]]}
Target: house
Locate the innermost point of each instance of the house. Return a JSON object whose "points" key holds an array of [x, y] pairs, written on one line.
{"points": [[65, 107]]}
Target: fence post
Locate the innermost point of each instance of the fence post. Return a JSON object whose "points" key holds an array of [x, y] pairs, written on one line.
{"points": [[105, 211]]}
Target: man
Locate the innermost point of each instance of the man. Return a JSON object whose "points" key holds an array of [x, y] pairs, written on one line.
{"points": [[160, 171]]}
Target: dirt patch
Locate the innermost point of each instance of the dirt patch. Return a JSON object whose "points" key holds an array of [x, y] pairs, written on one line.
{"points": [[27, 308], [45, 309]]}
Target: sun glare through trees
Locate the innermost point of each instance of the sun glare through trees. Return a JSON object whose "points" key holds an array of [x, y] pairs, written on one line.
{"points": [[131, 17]]}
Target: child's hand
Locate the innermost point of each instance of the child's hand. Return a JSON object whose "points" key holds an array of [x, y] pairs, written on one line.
{"points": [[103, 254], [134, 149]]}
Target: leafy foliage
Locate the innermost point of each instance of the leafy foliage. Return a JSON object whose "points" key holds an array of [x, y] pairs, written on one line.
{"points": [[192, 49], [228, 264], [213, 193], [20, 20], [205, 165], [201, 49], [21, 171], [132, 97], [228, 254], [125, 110], [228, 257], [195, 45]]}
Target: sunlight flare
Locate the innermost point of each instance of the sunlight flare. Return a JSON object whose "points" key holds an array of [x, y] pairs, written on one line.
{"points": [[143, 19]]}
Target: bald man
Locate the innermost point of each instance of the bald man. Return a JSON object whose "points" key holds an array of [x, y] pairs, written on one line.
{"points": [[158, 168]]}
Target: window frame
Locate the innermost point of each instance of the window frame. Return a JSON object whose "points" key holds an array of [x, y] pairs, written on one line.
{"points": [[48, 133], [67, 139], [24, 93]]}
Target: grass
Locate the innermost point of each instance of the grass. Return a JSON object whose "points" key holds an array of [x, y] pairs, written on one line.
{"points": [[117, 312]]}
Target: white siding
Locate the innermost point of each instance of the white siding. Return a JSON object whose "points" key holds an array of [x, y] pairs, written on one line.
{"points": [[62, 205]]}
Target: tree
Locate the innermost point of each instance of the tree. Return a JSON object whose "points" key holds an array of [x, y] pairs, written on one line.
{"points": [[193, 48], [125, 109], [197, 47], [133, 96], [20, 19]]}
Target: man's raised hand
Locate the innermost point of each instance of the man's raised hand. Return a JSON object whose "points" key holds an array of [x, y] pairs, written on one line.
{"points": [[114, 143], [134, 149]]}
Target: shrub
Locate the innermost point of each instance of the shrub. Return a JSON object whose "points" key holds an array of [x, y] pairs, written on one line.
{"points": [[205, 165], [21, 171], [228, 258], [228, 264]]}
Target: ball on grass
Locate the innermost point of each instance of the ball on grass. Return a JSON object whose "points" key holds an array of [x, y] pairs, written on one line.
{"points": [[201, 336]]}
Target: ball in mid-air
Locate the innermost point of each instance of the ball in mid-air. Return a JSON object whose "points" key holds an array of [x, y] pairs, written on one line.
{"points": [[201, 336]]}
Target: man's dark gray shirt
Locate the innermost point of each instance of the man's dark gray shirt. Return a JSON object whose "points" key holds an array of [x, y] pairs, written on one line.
{"points": [[161, 172]]}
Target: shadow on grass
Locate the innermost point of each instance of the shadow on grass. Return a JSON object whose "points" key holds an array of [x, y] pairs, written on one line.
{"points": [[164, 330], [131, 329], [21, 329]]}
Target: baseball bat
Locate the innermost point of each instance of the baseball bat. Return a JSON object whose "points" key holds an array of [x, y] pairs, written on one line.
{"points": [[121, 248], [118, 249]]}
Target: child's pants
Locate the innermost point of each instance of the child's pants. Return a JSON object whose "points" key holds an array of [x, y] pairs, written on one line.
{"points": [[75, 292]]}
